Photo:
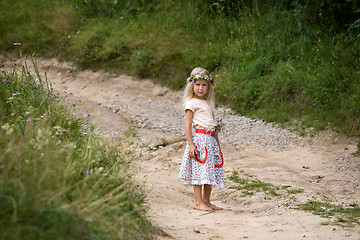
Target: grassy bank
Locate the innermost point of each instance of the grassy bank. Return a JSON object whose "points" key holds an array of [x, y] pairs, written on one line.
{"points": [[58, 180], [283, 61]]}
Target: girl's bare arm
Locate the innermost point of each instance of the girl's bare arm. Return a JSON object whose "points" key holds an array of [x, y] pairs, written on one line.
{"points": [[188, 125]]}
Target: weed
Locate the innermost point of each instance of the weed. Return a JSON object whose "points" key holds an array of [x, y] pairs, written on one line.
{"points": [[341, 216], [250, 185], [164, 142], [131, 132], [295, 191], [357, 152]]}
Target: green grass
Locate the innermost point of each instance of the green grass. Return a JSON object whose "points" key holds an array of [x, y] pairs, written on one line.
{"points": [[278, 61], [347, 217], [58, 179], [250, 185], [42, 28], [295, 191]]}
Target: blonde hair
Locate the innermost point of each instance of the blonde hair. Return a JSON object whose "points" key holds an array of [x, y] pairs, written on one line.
{"points": [[189, 88]]}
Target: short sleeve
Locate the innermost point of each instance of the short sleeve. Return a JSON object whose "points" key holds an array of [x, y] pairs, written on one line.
{"points": [[189, 105]]}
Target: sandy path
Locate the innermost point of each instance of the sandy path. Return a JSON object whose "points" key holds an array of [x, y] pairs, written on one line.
{"points": [[323, 166]]}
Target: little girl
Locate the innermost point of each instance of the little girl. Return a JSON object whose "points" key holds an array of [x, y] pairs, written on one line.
{"points": [[202, 161]]}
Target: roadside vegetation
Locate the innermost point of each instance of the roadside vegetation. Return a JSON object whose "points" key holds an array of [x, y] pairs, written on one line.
{"points": [[58, 179], [295, 63]]}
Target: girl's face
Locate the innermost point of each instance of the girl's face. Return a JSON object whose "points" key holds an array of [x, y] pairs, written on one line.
{"points": [[201, 88]]}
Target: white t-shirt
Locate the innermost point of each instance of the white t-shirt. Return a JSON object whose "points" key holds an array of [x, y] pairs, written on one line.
{"points": [[203, 113]]}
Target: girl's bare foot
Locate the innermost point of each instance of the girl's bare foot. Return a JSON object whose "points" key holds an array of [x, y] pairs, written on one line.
{"points": [[214, 207], [203, 207]]}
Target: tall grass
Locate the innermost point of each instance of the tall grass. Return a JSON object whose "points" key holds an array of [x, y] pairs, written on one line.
{"points": [[281, 61], [58, 180], [40, 27]]}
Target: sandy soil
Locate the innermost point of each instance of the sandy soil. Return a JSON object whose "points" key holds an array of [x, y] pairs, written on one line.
{"points": [[323, 165]]}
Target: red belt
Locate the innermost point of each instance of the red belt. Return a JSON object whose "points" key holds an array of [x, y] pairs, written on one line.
{"points": [[204, 131]]}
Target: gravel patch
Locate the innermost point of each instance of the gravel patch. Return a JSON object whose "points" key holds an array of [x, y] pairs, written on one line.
{"points": [[168, 116]]}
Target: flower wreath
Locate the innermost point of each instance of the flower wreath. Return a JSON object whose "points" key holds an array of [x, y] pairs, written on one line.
{"points": [[209, 77]]}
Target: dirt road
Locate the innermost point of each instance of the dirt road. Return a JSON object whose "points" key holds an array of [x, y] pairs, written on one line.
{"points": [[323, 166]]}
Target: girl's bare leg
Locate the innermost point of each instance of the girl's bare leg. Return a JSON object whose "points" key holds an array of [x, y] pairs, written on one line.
{"points": [[206, 198], [199, 204]]}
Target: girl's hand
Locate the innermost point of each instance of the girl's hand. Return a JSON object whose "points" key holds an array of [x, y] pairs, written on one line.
{"points": [[192, 151]]}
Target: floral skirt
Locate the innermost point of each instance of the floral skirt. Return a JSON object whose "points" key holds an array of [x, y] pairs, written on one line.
{"points": [[206, 168]]}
